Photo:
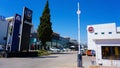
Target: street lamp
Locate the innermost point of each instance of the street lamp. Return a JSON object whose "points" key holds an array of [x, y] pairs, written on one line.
{"points": [[79, 58]]}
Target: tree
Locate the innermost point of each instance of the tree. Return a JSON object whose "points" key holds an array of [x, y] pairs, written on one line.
{"points": [[45, 28]]}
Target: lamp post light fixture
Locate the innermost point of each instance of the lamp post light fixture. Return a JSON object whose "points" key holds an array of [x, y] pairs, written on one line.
{"points": [[79, 57]]}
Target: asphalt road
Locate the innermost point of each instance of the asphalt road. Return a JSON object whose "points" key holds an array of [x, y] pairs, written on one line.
{"points": [[65, 60]]}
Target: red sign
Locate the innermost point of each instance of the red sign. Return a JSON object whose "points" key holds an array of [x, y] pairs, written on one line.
{"points": [[91, 29]]}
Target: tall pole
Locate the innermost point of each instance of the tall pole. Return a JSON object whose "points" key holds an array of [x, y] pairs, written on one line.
{"points": [[79, 52]]}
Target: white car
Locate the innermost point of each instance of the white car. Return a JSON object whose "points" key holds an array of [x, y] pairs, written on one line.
{"points": [[62, 49], [1, 48], [55, 50]]}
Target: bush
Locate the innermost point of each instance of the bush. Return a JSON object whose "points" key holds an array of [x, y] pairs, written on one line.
{"points": [[43, 52]]}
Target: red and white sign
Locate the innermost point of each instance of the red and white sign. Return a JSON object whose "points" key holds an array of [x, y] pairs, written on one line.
{"points": [[91, 29]]}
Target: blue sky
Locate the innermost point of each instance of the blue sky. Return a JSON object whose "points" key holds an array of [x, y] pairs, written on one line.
{"points": [[63, 13]]}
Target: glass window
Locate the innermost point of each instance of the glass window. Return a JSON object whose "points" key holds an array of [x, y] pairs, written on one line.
{"points": [[96, 33], [117, 52], [111, 52], [109, 32], [102, 33]]}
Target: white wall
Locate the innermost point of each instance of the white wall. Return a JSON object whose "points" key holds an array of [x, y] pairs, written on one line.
{"points": [[118, 29], [106, 28], [3, 31], [95, 41]]}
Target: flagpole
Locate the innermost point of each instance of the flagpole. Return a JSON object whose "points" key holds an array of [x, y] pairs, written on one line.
{"points": [[79, 58]]}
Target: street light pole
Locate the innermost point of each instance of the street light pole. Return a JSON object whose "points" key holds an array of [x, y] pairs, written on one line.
{"points": [[79, 58]]}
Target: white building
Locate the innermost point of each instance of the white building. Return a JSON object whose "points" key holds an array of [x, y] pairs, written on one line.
{"points": [[105, 40], [3, 30]]}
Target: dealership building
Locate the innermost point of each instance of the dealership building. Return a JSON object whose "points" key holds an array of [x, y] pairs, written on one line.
{"points": [[105, 40], [3, 30]]}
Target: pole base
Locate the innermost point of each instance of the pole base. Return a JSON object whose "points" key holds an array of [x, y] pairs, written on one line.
{"points": [[79, 59]]}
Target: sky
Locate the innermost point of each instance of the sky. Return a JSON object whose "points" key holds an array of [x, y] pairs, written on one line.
{"points": [[63, 14]]}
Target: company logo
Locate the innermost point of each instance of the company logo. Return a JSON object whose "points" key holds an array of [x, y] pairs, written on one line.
{"points": [[91, 29], [18, 18], [28, 14]]}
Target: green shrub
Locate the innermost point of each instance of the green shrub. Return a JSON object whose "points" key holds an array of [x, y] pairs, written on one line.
{"points": [[43, 52]]}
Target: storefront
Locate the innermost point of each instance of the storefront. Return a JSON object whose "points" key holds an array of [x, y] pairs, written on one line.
{"points": [[105, 40]]}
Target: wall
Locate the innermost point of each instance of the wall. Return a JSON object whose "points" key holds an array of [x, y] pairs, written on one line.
{"points": [[3, 31], [106, 28]]}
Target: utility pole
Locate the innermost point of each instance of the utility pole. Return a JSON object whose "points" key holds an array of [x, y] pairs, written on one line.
{"points": [[79, 58]]}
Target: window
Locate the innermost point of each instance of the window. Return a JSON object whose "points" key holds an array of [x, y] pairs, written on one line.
{"points": [[109, 32], [118, 32], [102, 33], [111, 52], [96, 33]]}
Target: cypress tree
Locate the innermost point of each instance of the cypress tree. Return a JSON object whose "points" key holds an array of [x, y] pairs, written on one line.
{"points": [[45, 28]]}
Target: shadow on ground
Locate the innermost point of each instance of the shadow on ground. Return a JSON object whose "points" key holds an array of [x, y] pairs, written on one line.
{"points": [[47, 57], [63, 53]]}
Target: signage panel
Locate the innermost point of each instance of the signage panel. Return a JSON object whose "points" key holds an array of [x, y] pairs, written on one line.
{"points": [[91, 29], [16, 29], [27, 15], [26, 29]]}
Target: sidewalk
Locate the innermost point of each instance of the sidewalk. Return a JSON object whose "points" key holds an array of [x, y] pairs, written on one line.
{"points": [[102, 67], [87, 63]]}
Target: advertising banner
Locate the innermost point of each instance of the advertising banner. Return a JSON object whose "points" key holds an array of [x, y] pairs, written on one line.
{"points": [[16, 30], [26, 29]]}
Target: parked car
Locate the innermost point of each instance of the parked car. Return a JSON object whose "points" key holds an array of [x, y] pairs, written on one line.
{"points": [[1, 48], [62, 49], [54, 50], [83, 52], [93, 52], [90, 52]]}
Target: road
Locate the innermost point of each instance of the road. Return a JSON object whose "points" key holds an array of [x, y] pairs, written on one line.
{"points": [[65, 60]]}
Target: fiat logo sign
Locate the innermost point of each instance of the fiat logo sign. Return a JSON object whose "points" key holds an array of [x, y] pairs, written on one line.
{"points": [[91, 29]]}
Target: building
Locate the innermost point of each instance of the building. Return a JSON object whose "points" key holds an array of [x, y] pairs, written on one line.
{"points": [[34, 42], [58, 41], [3, 30], [105, 40]]}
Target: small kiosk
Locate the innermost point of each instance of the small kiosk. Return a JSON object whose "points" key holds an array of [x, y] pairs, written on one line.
{"points": [[105, 40]]}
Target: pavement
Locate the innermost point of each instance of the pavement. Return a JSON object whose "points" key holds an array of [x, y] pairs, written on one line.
{"points": [[87, 63], [58, 60], [61, 60], [102, 67]]}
